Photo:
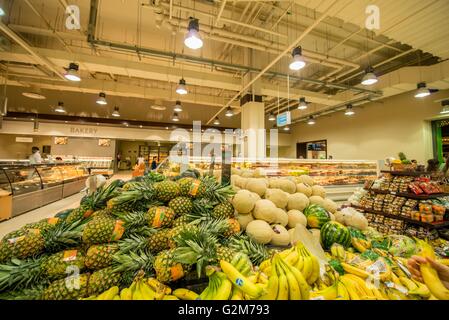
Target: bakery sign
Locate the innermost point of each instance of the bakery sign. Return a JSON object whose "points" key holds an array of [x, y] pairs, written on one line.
{"points": [[83, 131]]}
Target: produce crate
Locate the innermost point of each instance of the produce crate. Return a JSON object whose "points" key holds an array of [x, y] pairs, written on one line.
{"points": [[402, 167]]}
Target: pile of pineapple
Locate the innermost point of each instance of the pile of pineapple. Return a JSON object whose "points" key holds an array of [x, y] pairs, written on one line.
{"points": [[161, 227]]}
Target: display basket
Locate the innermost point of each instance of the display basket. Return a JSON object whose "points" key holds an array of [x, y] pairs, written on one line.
{"points": [[402, 167]]}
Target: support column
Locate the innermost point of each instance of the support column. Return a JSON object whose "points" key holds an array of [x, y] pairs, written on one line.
{"points": [[253, 127]]}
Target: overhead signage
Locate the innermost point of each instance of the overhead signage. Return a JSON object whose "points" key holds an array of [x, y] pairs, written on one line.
{"points": [[24, 139], [284, 119]]}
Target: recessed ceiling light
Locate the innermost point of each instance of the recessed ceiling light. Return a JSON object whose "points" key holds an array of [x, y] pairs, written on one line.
{"points": [[297, 60], [193, 38]]}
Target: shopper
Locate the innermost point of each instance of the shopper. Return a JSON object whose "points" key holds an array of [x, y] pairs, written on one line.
{"points": [[432, 165], [154, 163], [442, 270], [35, 157], [445, 168]]}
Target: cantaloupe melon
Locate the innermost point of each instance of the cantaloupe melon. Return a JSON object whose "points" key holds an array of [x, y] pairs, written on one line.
{"points": [[278, 197], [306, 180], [281, 217], [244, 219], [260, 231], [318, 191], [243, 201], [316, 200], [295, 217], [298, 201], [265, 210], [287, 185], [280, 236], [258, 186], [330, 205], [305, 189]]}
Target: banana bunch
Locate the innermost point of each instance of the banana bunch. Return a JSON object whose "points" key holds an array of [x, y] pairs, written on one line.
{"points": [[248, 285], [110, 294], [429, 274], [338, 252], [360, 245], [219, 287]]}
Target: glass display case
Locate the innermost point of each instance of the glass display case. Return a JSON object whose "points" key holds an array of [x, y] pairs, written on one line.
{"points": [[5, 186], [50, 175], [23, 179]]}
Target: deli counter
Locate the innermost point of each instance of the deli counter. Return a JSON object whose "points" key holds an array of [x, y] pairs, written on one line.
{"points": [[33, 186]]}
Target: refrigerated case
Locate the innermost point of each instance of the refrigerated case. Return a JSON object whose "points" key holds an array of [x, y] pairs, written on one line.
{"points": [[33, 186]]}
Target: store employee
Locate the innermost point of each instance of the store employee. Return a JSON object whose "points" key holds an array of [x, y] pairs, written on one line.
{"points": [[35, 157]]}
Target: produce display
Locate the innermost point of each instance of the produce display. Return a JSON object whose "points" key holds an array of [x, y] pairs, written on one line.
{"points": [[264, 239]]}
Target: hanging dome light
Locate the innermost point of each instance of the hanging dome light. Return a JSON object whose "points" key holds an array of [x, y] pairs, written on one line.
{"points": [[445, 105], [271, 117], [369, 78], [102, 99], [178, 107], [349, 111], [60, 108], [297, 60], [422, 90], [175, 117], [217, 121], [181, 89], [34, 93], [229, 112], [311, 120], [116, 112], [302, 104], [193, 38], [72, 73], [286, 128]]}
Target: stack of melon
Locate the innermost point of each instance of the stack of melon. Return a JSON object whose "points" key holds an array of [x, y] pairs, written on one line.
{"points": [[270, 208]]}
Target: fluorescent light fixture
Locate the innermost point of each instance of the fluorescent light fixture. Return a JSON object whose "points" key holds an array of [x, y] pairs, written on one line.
{"points": [[422, 90], [178, 107], [193, 38], [116, 112], [302, 104], [349, 111], [445, 105], [311, 121], [297, 60], [369, 78], [175, 117], [60, 108], [271, 117], [181, 89], [72, 73], [102, 99], [217, 121], [229, 113]]}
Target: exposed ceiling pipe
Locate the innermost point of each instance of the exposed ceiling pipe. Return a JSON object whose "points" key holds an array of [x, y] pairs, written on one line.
{"points": [[46, 32], [220, 12], [40, 60], [275, 60]]}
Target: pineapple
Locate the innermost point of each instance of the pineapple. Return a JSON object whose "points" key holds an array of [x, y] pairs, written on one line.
{"points": [[181, 205], [174, 233], [166, 267], [27, 245], [5, 251], [166, 190], [181, 221], [83, 211], [102, 280], [160, 217], [205, 187], [102, 230], [184, 186], [223, 210], [70, 288], [55, 266], [159, 240], [255, 251], [100, 256], [225, 253], [233, 228]]}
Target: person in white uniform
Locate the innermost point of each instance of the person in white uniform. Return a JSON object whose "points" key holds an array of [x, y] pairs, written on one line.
{"points": [[35, 157]]}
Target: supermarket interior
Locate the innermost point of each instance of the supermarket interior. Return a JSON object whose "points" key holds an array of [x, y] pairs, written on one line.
{"points": [[224, 150]]}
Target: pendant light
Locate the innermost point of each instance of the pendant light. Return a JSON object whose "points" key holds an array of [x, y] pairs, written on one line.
{"points": [[175, 117], [2, 12], [60, 108], [369, 78], [116, 112], [311, 121], [422, 90], [193, 38], [34, 93], [271, 117], [286, 128], [297, 60], [72, 73], [349, 111], [229, 113], [178, 107], [445, 105], [302, 104], [217, 121], [102, 99], [181, 89]]}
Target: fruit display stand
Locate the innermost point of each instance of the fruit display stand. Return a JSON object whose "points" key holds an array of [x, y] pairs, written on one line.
{"points": [[393, 207]]}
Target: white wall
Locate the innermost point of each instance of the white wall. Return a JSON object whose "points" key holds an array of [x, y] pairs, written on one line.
{"points": [[377, 130]]}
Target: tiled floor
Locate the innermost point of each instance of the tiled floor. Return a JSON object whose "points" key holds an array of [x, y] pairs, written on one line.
{"points": [[49, 210]]}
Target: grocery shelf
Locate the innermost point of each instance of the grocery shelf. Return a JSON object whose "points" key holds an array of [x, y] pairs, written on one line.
{"points": [[406, 173], [409, 194], [438, 225]]}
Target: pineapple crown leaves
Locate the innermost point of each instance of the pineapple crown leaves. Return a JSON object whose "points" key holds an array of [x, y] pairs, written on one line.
{"points": [[64, 235], [134, 242], [21, 273], [32, 293], [216, 191], [255, 251], [133, 261]]}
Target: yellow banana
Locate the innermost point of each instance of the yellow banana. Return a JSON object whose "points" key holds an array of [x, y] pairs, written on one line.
{"points": [[354, 270], [292, 258], [170, 297], [294, 293], [283, 284], [240, 280], [303, 285], [285, 253], [342, 292], [117, 297], [185, 294], [330, 293], [354, 294], [308, 268], [421, 289], [147, 292], [224, 290], [409, 284], [265, 264], [271, 290], [137, 294], [158, 286], [361, 284], [263, 278], [315, 270], [300, 263], [126, 294], [237, 294], [443, 261]]}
